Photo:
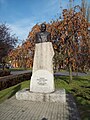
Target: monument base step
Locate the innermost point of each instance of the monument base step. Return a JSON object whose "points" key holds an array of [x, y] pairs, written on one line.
{"points": [[56, 96]]}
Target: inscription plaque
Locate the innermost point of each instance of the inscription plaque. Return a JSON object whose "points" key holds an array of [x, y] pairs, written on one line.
{"points": [[42, 81]]}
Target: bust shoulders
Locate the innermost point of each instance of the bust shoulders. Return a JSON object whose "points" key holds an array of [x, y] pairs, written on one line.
{"points": [[43, 37], [43, 33]]}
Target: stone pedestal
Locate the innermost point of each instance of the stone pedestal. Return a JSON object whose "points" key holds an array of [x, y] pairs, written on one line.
{"points": [[43, 57], [56, 96], [42, 79]]}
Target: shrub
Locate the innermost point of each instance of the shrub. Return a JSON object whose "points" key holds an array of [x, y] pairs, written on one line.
{"points": [[4, 73], [12, 80]]}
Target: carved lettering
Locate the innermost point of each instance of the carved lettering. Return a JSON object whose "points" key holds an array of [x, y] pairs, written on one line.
{"points": [[42, 81]]}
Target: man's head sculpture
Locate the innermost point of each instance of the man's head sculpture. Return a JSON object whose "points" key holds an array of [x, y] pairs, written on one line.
{"points": [[43, 27], [43, 35]]}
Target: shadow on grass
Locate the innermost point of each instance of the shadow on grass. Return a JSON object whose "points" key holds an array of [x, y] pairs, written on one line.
{"points": [[83, 107], [72, 108], [14, 90], [81, 78], [75, 78], [65, 78]]}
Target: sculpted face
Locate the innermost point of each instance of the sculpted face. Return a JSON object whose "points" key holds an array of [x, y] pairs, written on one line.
{"points": [[43, 27], [43, 35]]}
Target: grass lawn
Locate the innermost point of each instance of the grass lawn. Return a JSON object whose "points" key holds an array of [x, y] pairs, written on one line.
{"points": [[80, 88], [9, 92], [19, 69]]}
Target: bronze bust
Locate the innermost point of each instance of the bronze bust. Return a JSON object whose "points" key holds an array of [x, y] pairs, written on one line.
{"points": [[43, 35]]}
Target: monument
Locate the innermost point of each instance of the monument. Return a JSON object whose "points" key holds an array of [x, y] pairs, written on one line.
{"points": [[42, 80]]}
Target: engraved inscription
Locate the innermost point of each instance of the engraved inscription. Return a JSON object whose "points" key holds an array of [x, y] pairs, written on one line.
{"points": [[42, 81]]}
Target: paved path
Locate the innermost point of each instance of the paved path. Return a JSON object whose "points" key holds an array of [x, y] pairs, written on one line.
{"points": [[20, 72], [66, 73], [13, 109]]}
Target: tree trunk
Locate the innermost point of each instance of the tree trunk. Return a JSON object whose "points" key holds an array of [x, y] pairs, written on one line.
{"points": [[70, 73], [77, 70], [3, 66]]}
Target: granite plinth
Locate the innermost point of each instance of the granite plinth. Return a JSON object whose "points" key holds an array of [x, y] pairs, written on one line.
{"points": [[42, 81], [43, 57], [56, 96]]}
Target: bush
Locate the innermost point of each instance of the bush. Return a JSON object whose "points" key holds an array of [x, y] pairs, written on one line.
{"points": [[13, 80], [4, 73]]}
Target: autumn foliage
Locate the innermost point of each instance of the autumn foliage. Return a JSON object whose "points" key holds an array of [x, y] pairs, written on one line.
{"points": [[70, 38]]}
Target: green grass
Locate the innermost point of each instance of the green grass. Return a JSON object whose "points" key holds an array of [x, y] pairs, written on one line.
{"points": [[17, 69], [80, 88], [9, 92]]}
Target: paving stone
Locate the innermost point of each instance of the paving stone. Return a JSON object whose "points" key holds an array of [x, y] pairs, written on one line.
{"points": [[13, 109]]}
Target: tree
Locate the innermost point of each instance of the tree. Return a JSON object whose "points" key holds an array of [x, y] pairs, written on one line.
{"points": [[70, 39], [7, 41], [84, 7]]}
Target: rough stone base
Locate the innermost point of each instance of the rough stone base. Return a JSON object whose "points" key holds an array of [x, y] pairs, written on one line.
{"points": [[56, 96]]}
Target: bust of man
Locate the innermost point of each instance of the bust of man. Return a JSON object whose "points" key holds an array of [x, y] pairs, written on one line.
{"points": [[43, 35]]}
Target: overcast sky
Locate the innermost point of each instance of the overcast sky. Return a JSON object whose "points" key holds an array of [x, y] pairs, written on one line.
{"points": [[22, 15]]}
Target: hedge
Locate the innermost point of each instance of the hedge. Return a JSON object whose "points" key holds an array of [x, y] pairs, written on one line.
{"points": [[4, 73], [12, 80]]}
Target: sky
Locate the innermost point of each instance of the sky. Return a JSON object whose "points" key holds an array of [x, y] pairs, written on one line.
{"points": [[22, 15]]}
